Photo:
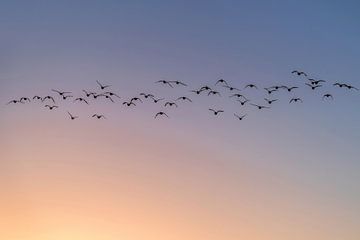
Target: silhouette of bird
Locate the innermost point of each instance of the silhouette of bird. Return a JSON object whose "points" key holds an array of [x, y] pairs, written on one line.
{"points": [[24, 99], [251, 86], [164, 82], [81, 100], [315, 82], [295, 100], [135, 99], [161, 113], [240, 117], [129, 103], [238, 95], [214, 93], [216, 112], [339, 84], [351, 87], [51, 107], [289, 89], [48, 97], [259, 106], [183, 98], [243, 102], [99, 116], [313, 87], [328, 95], [170, 104], [270, 90], [275, 87], [105, 96], [66, 96], [270, 101], [231, 88], [102, 86], [157, 100], [88, 94], [14, 101], [197, 91], [178, 83], [59, 92], [111, 94], [37, 97], [205, 88], [72, 117], [222, 81], [147, 95], [299, 73]]}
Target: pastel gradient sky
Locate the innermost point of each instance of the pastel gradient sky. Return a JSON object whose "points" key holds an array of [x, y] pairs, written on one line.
{"points": [[288, 173]]}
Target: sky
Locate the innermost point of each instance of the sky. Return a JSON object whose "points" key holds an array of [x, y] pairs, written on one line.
{"points": [[289, 172]]}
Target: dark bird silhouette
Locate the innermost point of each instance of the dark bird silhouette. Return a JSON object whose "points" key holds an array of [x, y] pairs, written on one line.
{"points": [[37, 97], [178, 83], [111, 94], [165, 83], [197, 91], [231, 88], [339, 84], [147, 95], [160, 114], [299, 73], [243, 102], [270, 101], [216, 112], [351, 87], [222, 81], [157, 100], [238, 95], [51, 107], [289, 89], [102, 86], [135, 99], [81, 100], [14, 101], [313, 87], [240, 117], [72, 117], [275, 87], [105, 96], [205, 88], [66, 96], [99, 116], [270, 90], [48, 97], [328, 95], [295, 100], [88, 94], [170, 104], [183, 98], [259, 106], [214, 93], [59, 92], [24, 99], [251, 86], [129, 103], [315, 82]]}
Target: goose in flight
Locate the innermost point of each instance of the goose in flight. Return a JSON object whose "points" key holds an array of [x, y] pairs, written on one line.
{"points": [[313, 87], [66, 96], [243, 102], [14, 101], [129, 103], [170, 104], [216, 112], [315, 82], [48, 97], [339, 84], [102, 86], [105, 96], [51, 107], [157, 100], [81, 100], [328, 95], [205, 88], [111, 94], [60, 92], [240, 117], [165, 82], [183, 98], [222, 81], [270, 90], [147, 95], [251, 86], [24, 99], [88, 94], [197, 91], [98, 116], [160, 114], [214, 93], [295, 100], [231, 88], [237, 95], [299, 73], [289, 89], [37, 97], [351, 87], [135, 99], [259, 106], [178, 83], [72, 117], [270, 101]]}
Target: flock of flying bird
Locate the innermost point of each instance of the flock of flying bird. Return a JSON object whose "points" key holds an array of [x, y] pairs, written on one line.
{"points": [[235, 93]]}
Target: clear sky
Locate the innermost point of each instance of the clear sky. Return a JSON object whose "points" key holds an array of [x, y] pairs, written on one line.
{"points": [[289, 172]]}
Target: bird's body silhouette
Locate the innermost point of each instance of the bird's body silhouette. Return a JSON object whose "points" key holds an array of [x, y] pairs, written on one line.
{"points": [[315, 82], [184, 99], [88, 94], [165, 83], [129, 103], [48, 97], [135, 99], [98, 116], [205, 88], [156, 100], [299, 73], [81, 100], [170, 104], [216, 112], [313, 87], [51, 107], [111, 94], [251, 86], [37, 97], [60, 92], [212, 92], [259, 106], [197, 91], [270, 90], [296, 100], [222, 81], [240, 117], [145, 95], [238, 95], [289, 89], [328, 95], [25, 99], [231, 88], [14, 101], [270, 101], [243, 102], [72, 117], [340, 84], [105, 96], [178, 83], [351, 87], [67, 96], [102, 87], [160, 114]]}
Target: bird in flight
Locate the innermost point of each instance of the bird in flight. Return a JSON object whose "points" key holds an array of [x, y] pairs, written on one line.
{"points": [[59, 92], [72, 117], [299, 73], [231, 88], [339, 84], [24, 99], [165, 83], [240, 117], [328, 95], [170, 104], [51, 107], [206, 88], [160, 114], [243, 102], [315, 82], [237, 95], [313, 87], [102, 86], [183, 98], [157, 100], [66, 96], [222, 81], [251, 86], [129, 103], [213, 93], [289, 89], [270, 90], [111, 94], [37, 97], [197, 91], [135, 99], [259, 106], [178, 83], [295, 100], [147, 95], [216, 112], [14, 101], [99, 116], [88, 94], [48, 97], [105, 96], [351, 87], [270, 101], [81, 100]]}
